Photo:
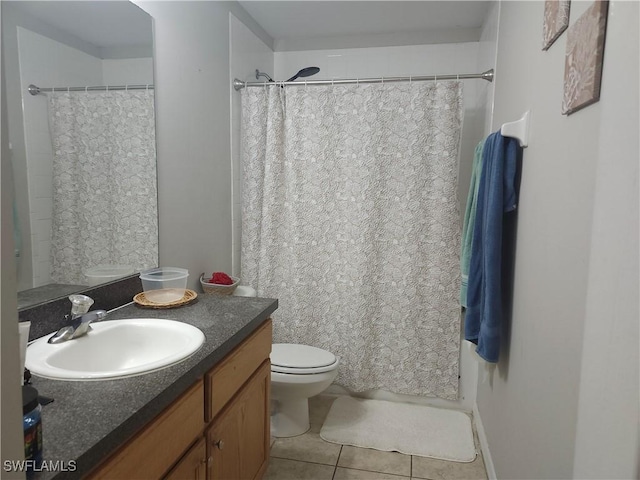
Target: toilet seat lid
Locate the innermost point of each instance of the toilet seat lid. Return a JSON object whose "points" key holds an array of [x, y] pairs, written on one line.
{"points": [[294, 356]]}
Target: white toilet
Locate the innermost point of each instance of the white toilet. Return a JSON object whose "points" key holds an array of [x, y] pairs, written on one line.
{"points": [[298, 372]]}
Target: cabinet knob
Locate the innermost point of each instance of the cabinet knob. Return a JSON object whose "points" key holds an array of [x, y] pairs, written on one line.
{"points": [[220, 444]]}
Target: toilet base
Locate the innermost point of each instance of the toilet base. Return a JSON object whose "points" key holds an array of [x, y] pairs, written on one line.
{"points": [[290, 418]]}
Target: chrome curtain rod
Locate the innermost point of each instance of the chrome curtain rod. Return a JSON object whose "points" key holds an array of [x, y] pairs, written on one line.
{"points": [[33, 90], [488, 76]]}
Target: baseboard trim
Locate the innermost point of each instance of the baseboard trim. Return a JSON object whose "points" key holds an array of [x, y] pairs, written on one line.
{"points": [[484, 444]]}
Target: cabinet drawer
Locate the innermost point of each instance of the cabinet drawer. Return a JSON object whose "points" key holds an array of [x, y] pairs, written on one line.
{"points": [[224, 380], [153, 450]]}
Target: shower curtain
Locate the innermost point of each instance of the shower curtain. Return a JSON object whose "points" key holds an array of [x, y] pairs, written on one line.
{"points": [[350, 218], [104, 182]]}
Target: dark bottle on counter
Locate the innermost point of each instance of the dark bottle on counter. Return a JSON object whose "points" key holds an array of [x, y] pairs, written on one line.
{"points": [[32, 427]]}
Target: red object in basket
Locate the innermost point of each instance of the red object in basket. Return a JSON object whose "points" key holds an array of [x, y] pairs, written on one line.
{"points": [[220, 278]]}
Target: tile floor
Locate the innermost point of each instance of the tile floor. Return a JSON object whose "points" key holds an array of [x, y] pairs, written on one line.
{"points": [[308, 457]]}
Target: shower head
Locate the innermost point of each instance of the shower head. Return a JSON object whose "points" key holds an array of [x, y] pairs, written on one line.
{"points": [[262, 74], [305, 72]]}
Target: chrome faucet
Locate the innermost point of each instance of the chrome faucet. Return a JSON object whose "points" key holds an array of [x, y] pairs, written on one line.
{"points": [[79, 321]]}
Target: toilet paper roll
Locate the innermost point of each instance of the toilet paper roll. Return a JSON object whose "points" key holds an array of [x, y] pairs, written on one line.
{"points": [[245, 291]]}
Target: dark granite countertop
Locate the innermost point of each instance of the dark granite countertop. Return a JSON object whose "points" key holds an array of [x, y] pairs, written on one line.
{"points": [[38, 295], [88, 420]]}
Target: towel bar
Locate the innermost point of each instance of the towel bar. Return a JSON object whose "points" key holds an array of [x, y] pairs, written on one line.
{"points": [[518, 129]]}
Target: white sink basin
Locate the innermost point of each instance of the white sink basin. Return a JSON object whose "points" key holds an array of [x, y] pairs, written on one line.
{"points": [[115, 349]]}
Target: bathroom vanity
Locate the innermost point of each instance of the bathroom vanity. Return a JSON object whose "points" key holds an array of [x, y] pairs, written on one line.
{"points": [[206, 417]]}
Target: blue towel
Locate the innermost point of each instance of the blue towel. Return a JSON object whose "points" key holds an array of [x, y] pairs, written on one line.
{"points": [[469, 221], [496, 195]]}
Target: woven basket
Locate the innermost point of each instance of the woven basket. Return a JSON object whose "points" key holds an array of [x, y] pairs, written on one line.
{"points": [[142, 301], [219, 289]]}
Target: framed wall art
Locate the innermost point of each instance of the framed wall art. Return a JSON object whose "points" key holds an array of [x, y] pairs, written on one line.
{"points": [[584, 57], [556, 20]]}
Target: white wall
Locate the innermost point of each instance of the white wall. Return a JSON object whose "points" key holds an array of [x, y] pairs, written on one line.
{"points": [[127, 71], [193, 131], [248, 53], [11, 437], [607, 440], [537, 408], [17, 179], [487, 52]]}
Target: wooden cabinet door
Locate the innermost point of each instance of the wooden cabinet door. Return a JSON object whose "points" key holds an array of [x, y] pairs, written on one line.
{"points": [[239, 437], [193, 466], [153, 450]]}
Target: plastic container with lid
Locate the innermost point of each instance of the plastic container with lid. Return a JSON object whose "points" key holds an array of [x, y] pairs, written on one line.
{"points": [[164, 284], [106, 273], [32, 428]]}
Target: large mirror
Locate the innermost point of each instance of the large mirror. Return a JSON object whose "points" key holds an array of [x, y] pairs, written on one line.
{"points": [[83, 159]]}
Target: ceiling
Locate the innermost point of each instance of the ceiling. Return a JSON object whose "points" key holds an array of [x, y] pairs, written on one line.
{"points": [[307, 19], [113, 24], [104, 24]]}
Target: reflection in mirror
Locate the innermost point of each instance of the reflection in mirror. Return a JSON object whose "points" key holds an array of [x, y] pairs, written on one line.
{"points": [[83, 159]]}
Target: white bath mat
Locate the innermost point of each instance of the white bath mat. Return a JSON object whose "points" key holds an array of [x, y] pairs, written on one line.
{"points": [[407, 428]]}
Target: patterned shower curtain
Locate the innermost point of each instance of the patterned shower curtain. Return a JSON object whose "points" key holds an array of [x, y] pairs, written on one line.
{"points": [[104, 182], [350, 218]]}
